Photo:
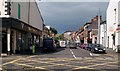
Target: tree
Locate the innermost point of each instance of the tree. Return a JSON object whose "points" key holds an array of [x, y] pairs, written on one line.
{"points": [[53, 30]]}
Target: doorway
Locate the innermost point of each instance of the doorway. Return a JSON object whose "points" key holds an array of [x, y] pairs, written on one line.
{"points": [[4, 42]]}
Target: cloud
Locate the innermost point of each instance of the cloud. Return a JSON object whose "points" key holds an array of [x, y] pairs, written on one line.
{"points": [[70, 15]]}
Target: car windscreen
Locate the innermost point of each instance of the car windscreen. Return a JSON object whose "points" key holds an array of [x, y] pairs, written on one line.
{"points": [[98, 45]]}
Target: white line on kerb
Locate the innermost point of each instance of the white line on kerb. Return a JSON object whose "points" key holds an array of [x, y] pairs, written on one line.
{"points": [[73, 54]]}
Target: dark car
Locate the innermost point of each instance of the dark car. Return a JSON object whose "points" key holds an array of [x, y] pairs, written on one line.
{"points": [[49, 44], [72, 45], [89, 46], [98, 48]]}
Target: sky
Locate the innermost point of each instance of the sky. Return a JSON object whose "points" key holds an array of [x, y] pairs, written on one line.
{"points": [[65, 16]]}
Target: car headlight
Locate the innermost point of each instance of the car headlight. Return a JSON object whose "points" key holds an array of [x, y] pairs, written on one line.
{"points": [[96, 48], [104, 49]]}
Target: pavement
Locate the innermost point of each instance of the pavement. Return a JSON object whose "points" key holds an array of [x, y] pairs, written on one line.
{"points": [[64, 59]]}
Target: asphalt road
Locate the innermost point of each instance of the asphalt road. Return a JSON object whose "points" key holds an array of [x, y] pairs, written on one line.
{"points": [[63, 59]]}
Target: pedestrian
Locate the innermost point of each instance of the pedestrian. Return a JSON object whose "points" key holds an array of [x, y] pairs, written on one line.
{"points": [[33, 48]]}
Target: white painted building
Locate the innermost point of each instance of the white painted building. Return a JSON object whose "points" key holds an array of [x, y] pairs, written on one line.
{"points": [[103, 33], [67, 36], [113, 24], [22, 25]]}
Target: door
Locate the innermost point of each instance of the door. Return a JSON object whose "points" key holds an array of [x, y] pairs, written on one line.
{"points": [[4, 42]]}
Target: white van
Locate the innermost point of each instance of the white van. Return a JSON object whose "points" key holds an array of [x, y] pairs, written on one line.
{"points": [[62, 43]]}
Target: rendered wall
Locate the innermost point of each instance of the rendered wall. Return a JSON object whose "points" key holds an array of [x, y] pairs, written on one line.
{"points": [[2, 8], [112, 21], [35, 16], [29, 13]]}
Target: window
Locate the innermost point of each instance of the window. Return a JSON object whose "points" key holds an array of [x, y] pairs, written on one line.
{"points": [[18, 11], [115, 15], [108, 41]]}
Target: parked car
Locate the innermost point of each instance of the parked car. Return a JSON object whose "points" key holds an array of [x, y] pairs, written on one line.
{"points": [[98, 48], [89, 46], [83, 46], [79, 45], [72, 45], [49, 44]]}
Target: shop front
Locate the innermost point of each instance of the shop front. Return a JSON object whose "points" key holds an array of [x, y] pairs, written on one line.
{"points": [[17, 36]]}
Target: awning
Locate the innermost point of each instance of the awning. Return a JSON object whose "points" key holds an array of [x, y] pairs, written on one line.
{"points": [[17, 24]]}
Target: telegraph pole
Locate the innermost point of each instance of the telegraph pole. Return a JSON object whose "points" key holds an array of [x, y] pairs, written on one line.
{"points": [[99, 27]]}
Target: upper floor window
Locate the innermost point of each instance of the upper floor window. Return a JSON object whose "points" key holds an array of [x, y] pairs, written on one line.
{"points": [[115, 15]]}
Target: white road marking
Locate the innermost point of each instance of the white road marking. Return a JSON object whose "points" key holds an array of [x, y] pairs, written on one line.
{"points": [[73, 54], [18, 60], [91, 54]]}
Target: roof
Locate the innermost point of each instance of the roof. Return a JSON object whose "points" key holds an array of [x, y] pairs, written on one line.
{"points": [[94, 25], [81, 28], [87, 23], [94, 32], [84, 33], [68, 31]]}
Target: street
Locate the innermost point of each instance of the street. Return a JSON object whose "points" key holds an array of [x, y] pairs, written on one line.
{"points": [[63, 59]]}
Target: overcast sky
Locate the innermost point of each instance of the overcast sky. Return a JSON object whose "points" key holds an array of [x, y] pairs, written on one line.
{"points": [[70, 15]]}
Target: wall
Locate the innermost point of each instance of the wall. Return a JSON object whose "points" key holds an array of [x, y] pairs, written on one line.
{"points": [[101, 33], [23, 11], [35, 16], [111, 21], [118, 32], [2, 9], [29, 13], [119, 12], [67, 36]]}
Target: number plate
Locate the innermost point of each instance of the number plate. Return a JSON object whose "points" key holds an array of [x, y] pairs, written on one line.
{"points": [[100, 50]]}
